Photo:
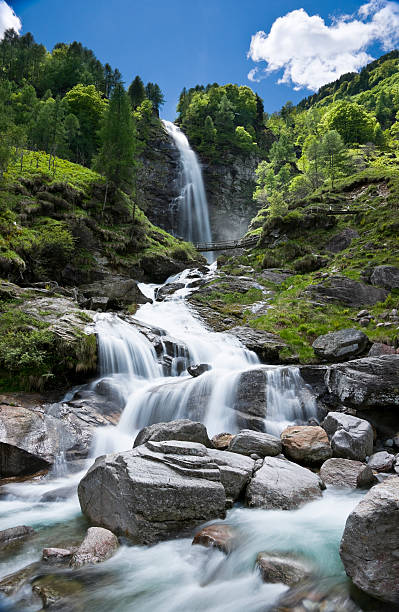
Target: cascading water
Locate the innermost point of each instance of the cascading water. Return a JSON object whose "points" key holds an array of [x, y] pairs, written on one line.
{"points": [[193, 214]]}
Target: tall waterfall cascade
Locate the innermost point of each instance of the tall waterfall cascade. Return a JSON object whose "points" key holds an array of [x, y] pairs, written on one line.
{"points": [[192, 204]]}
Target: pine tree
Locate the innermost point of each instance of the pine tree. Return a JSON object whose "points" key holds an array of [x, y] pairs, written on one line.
{"points": [[136, 92], [156, 96]]}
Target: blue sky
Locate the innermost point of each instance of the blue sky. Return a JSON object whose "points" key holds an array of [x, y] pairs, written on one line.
{"points": [[179, 43]]}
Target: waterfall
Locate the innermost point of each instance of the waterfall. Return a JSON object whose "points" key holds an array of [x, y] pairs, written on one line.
{"points": [[193, 215]]}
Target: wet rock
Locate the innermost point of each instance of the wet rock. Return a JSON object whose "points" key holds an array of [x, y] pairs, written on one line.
{"points": [[385, 276], [59, 592], [181, 429], [341, 345], [306, 444], [341, 241], [150, 495], [347, 291], [167, 290], [281, 484], [317, 595], [56, 556], [59, 494], [266, 345], [248, 442], [250, 400], [15, 533], [381, 462], [366, 383], [370, 543], [350, 437], [221, 441], [98, 546], [275, 567], [197, 370], [14, 582], [219, 535], [347, 473], [120, 291]]}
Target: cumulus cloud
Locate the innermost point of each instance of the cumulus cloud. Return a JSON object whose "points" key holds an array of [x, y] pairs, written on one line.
{"points": [[312, 53], [8, 19]]}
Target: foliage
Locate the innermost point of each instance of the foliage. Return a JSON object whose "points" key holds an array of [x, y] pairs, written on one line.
{"points": [[352, 122]]}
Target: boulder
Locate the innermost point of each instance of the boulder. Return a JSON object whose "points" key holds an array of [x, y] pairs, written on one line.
{"points": [[235, 471], [378, 349], [306, 444], [347, 291], [219, 535], [250, 399], [385, 276], [197, 370], [341, 345], [282, 485], [347, 473], [120, 292], [155, 491], [341, 241], [381, 462], [221, 441], [370, 543], [98, 546], [249, 442], [350, 437], [167, 290], [266, 345], [20, 532], [276, 567], [56, 556], [366, 383], [181, 429]]}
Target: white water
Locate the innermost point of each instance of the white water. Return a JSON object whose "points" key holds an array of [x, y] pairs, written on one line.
{"points": [[174, 576], [192, 205]]}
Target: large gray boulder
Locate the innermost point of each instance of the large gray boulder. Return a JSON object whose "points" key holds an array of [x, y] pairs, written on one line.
{"points": [[347, 291], [385, 276], [347, 473], [341, 345], [381, 462], [235, 471], [249, 442], [370, 543], [366, 383], [350, 437], [281, 484], [181, 429], [159, 489], [116, 292]]}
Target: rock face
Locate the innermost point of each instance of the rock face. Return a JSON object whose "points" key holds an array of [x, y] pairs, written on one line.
{"points": [[221, 536], [197, 370], [306, 444], [249, 442], [347, 291], [276, 567], [365, 383], [350, 437], [182, 429], [114, 293], [381, 462], [370, 543], [266, 345], [155, 491], [341, 345], [385, 276], [347, 473], [98, 545], [276, 276], [281, 484], [341, 241]]}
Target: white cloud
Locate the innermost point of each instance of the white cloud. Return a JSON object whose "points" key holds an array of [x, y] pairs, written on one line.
{"points": [[8, 19], [312, 53]]}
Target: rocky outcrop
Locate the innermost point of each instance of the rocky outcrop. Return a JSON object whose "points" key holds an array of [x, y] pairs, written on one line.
{"points": [[306, 444], [111, 293], [98, 545], [182, 429], [370, 543], [267, 346], [385, 276], [341, 241], [249, 442], [347, 291], [341, 345], [350, 437], [347, 473], [282, 485], [276, 567], [221, 536]]}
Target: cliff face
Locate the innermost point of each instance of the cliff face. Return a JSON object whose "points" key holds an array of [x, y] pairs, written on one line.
{"points": [[229, 188]]}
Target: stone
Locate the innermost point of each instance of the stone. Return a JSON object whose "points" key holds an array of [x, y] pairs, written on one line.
{"points": [[197, 370], [282, 485], [219, 535], [235, 471], [151, 496], [98, 546], [306, 444], [378, 349], [181, 429], [347, 291], [341, 241], [366, 383], [248, 442], [221, 441], [276, 276], [12, 583], [55, 556], [385, 276], [120, 291], [276, 567], [20, 532], [167, 290], [318, 595], [341, 345], [347, 473], [370, 543], [350, 437], [266, 345], [381, 462]]}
